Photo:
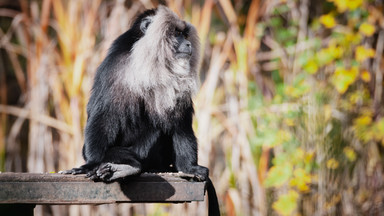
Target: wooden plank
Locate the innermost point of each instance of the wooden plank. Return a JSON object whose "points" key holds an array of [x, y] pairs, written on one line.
{"points": [[39, 189]]}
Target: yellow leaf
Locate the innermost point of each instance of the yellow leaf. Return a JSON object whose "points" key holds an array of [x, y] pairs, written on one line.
{"points": [[367, 29], [328, 21], [355, 97], [363, 120], [289, 90], [353, 4], [289, 121], [287, 203], [343, 5], [301, 180], [340, 4], [308, 157], [283, 136], [363, 127], [343, 78], [311, 66], [328, 55], [337, 52], [362, 53], [332, 163], [365, 76], [353, 38], [349, 153]]}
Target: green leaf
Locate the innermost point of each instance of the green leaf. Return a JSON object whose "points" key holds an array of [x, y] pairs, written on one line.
{"points": [[266, 137], [287, 203], [275, 22], [278, 175]]}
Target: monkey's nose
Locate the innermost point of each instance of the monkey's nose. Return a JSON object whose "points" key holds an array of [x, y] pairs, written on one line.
{"points": [[185, 48]]}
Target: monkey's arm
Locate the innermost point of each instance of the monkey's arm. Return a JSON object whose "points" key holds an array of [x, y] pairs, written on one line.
{"points": [[185, 148]]}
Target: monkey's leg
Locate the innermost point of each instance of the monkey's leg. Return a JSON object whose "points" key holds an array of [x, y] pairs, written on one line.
{"points": [[111, 171], [119, 162]]}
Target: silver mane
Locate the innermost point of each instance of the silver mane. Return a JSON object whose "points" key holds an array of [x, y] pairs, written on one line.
{"points": [[151, 70]]}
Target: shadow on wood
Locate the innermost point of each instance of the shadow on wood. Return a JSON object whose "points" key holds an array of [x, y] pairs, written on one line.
{"points": [[156, 190]]}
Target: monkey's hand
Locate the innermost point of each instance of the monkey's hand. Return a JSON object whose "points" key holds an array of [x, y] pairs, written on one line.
{"points": [[109, 172], [81, 170], [74, 171], [201, 173]]}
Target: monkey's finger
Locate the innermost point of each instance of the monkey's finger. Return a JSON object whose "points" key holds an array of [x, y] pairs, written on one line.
{"points": [[65, 172], [106, 168], [93, 177], [76, 171], [199, 178], [106, 176]]}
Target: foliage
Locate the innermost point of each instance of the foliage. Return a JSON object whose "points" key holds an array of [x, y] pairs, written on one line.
{"points": [[331, 107]]}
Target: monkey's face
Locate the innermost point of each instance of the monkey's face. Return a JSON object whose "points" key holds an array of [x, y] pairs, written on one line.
{"points": [[172, 32], [183, 47], [167, 43]]}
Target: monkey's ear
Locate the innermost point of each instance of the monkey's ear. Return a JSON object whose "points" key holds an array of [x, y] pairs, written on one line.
{"points": [[145, 23]]}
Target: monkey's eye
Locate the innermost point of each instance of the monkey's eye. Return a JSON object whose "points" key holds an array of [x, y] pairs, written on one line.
{"points": [[178, 33]]}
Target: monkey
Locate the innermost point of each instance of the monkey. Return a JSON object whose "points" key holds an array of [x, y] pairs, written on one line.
{"points": [[140, 110]]}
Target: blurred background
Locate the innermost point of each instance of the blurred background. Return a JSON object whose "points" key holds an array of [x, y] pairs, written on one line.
{"points": [[289, 116]]}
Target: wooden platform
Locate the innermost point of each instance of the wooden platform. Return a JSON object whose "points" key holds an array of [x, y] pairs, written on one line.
{"points": [[30, 189]]}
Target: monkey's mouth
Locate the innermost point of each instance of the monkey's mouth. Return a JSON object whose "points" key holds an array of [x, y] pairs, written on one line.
{"points": [[183, 55]]}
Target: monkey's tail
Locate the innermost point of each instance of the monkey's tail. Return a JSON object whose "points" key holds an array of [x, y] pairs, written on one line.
{"points": [[213, 203]]}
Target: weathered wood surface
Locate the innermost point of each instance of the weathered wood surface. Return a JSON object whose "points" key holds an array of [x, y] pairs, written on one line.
{"points": [[33, 188]]}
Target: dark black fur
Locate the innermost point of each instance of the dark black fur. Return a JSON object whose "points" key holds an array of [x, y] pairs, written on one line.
{"points": [[121, 130]]}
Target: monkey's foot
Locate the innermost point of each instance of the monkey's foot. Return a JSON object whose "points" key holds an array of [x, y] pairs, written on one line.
{"points": [[109, 172]]}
